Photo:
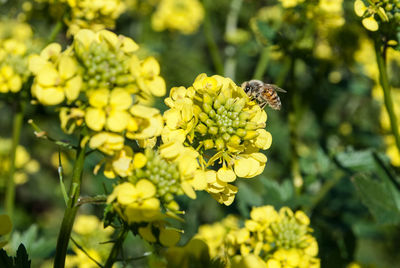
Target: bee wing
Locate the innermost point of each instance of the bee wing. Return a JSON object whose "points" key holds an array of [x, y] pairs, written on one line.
{"points": [[276, 88]]}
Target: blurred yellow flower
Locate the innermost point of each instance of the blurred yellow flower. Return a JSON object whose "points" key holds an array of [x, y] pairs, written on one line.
{"points": [[90, 234], [181, 15], [25, 165]]}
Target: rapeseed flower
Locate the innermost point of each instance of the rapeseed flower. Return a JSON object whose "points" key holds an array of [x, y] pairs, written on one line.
{"points": [[24, 164], [216, 118], [377, 12], [16, 44], [269, 238], [181, 15]]}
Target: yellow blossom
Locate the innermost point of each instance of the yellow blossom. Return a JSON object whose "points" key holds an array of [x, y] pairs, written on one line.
{"points": [[182, 15], [216, 117]]}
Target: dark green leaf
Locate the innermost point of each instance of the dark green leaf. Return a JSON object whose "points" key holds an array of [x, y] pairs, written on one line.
{"points": [[22, 259], [381, 198]]}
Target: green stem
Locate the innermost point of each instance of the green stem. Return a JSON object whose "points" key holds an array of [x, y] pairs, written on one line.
{"points": [[262, 64], [70, 212], [56, 29], [212, 46], [384, 80], [231, 28], [112, 258], [294, 115], [17, 127], [322, 193]]}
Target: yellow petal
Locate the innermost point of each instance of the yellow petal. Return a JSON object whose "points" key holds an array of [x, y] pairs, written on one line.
{"points": [[48, 76], [72, 88], [359, 8], [226, 174], [117, 121], [49, 95], [95, 118], [120, 99], [146, 188], [126, 193], [370, 24], [169, 237], [67, 67], [99, 98]]}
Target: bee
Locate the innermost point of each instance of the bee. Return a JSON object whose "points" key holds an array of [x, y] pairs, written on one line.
{"points": [[263, 93]]}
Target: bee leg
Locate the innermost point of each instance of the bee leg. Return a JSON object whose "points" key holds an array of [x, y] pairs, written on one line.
{"points": [[262, 105]]}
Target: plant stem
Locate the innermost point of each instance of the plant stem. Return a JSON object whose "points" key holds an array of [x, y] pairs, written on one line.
{"points": [[231, 28], [116, 248], [17, 127], [212, 46], [54, 32], [262, 64], [70, 212], [293, 117], [384, 80]]}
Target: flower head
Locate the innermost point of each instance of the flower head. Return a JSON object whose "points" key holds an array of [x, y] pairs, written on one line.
{"points": [[216, 117], [182, 15]]}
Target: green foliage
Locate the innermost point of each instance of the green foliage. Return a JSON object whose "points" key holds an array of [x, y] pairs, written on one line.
{"points": [[21, 260]]}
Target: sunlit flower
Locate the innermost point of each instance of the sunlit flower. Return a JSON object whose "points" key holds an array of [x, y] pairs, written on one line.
{"points": [[216, 117], [56, 76]]}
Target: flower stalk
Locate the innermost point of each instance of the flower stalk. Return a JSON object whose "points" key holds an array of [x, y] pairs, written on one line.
{"points": [[112, 258], [70, 212], [17, 127], [380, 52]]}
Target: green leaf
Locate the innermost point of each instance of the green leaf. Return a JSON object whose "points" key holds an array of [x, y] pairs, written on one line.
{"points": [[278, 193], [5, 260], [381, 198], [20, 261], [357, 160], [247, 198]]}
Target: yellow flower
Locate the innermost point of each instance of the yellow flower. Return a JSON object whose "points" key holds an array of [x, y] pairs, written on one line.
{"points": [[216, 117], [16, 44], [260, 242], [108, 110], [89, 233], [95, 15], [181, 15], [108, 143], [24, 164], [121, 164], [290, 3], [56, 76], [136, 203]]}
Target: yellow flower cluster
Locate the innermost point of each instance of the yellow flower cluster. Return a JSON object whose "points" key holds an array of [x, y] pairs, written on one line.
{"points": [[89, 233], [366, 56], [216, 118], [290, 3], [377, 12], [15, 46], [180, 15], [95, 15], [24, 164], [153, 179], [104, 82], [269, 239]]}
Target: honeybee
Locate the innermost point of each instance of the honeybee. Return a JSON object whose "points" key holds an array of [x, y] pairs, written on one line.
{"points": [[263, 93]]}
